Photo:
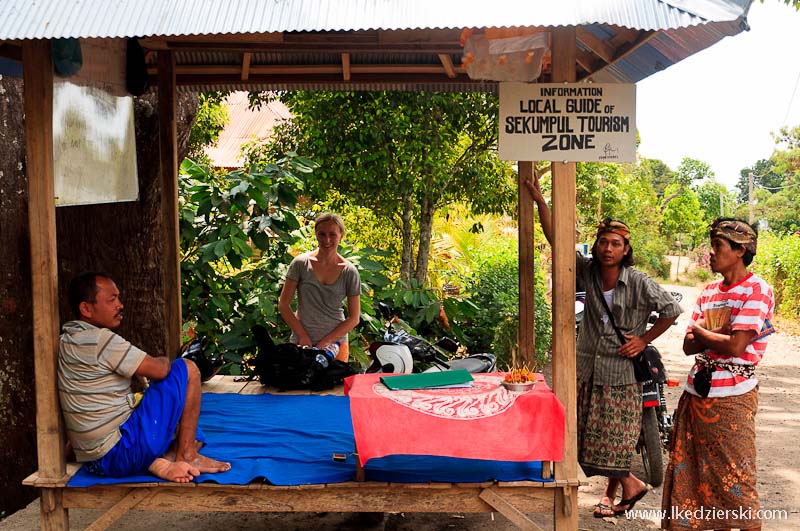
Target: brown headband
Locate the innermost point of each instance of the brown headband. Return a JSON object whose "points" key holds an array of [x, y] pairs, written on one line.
{"points": [[612, 225], [737, 232]]}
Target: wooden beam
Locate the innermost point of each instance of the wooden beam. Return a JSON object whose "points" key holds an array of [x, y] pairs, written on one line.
{"points": [[331, 47], [246, 65], [119, 509], [502, 505], [447, 64], [38, 105], [644, 38], [526, 336], [168, 162], [564, 384], [598, 46], [346, 66], [9, 51]]}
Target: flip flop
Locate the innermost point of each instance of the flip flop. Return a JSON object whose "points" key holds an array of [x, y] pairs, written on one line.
{"points": [[603, 507], [630, 502]]}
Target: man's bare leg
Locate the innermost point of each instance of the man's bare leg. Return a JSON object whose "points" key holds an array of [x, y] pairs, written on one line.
{"points": [[186, 445], [633, 489]]}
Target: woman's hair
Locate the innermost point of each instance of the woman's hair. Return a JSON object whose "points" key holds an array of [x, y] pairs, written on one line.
{"points": [[329, 216]]}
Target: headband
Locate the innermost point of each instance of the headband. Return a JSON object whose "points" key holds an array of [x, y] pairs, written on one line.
{"points": [[612, 225], [735, 231]]}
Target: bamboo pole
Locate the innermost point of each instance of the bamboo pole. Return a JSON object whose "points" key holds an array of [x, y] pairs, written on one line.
{"points": [[527, 334]]}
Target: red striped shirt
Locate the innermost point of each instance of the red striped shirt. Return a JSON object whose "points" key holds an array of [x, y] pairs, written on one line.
{"points": [[751, 304]]}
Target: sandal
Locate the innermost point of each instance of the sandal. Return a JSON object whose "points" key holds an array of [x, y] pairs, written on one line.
{"points": [[604, 510], [630, 502]]}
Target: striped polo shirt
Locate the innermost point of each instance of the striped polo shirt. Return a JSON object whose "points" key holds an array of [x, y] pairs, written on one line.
{"points": [[95, 367], [751, 304]]}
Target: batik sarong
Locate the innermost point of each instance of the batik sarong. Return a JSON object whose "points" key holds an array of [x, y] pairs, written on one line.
{"points": [[609, 422], [711, 477]]}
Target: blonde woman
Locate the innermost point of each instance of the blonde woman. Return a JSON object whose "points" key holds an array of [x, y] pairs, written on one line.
{"points": [[323, 279]]}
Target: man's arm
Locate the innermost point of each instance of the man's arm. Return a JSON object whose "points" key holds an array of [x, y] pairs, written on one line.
{"points": [[732, 345], [153, 368], [544, 211], [637, 344]]}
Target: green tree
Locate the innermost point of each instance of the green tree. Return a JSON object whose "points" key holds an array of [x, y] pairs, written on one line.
{"points": [[212, 117], [710, 193], [657, 173], [764, 175], [689, 172], [682, 217], [402, 154]]}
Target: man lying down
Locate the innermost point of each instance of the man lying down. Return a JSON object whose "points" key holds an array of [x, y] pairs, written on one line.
{"points": [[116, 432]]}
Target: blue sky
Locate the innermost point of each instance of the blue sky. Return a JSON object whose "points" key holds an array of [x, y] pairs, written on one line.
{"points": [[721, 104]]}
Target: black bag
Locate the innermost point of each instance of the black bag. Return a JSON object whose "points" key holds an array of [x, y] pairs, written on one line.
{"points": [[702, 380], [647, 365], [290, 367]]}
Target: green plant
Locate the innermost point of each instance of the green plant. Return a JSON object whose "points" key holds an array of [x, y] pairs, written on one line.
{"points": [[235, 232], [778, 262]]}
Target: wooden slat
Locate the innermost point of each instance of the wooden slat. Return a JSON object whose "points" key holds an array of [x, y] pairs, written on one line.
{"points": [[447, 64], [526, 337], [601, 48], [38, 106], [564, 384], [643, 39], [389, 498], [119, 509], [346, 66], [507, 509], [246, 56], [168, 162]]}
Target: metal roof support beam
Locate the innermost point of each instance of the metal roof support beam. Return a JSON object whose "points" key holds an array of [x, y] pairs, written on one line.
{"points": [[447, 64], [564, 384], [38, 104]]}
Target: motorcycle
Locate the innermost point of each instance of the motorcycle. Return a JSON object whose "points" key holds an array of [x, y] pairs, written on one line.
{"points": [[656, 427], [402, 352]]}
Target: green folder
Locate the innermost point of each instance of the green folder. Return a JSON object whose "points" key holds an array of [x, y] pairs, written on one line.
{"points": [[427, 380]]}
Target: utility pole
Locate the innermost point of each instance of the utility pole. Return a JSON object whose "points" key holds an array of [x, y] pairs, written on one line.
{"points": [[600, 200], [721, 205], [750, 195]]}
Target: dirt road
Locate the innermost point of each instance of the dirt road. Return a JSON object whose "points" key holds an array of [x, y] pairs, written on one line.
{"points": [[778, 439]]}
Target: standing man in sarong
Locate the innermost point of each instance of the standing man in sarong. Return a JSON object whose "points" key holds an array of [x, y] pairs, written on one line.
{"points": [[609, 397], [111, 429], [711, 478]]}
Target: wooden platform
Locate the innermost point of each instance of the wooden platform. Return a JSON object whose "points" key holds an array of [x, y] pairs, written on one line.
{"points": [[512, 499]]}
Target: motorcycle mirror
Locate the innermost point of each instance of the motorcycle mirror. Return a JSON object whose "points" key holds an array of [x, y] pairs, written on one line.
{"points": [[386, 310]]}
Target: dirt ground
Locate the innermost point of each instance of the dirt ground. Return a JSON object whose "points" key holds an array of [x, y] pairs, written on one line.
{"points": [[778, 430]]}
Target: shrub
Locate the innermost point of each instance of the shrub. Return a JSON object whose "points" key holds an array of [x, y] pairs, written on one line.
{"points": [[778, 262]]}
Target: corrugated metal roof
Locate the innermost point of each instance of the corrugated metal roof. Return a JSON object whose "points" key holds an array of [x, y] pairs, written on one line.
{"points": [[33, 19]]}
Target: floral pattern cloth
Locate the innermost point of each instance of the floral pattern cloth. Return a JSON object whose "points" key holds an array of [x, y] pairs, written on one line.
{"points": [[710, 481]]}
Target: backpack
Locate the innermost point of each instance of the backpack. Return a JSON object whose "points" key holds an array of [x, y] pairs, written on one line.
{"points": [[289, 367]]}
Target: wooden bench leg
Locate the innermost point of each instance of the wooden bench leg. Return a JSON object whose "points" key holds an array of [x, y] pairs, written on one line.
{"points": [[116, 512], [507, 509], [52, 514]]}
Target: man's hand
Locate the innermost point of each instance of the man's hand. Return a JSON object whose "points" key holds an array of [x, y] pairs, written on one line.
{"points": [[633, 347], [303, 340], [533, 186]]}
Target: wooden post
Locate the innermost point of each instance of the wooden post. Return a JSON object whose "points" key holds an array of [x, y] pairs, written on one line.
{"points": [[564, 384], [38, 103], [527, 334], [168, 149]]}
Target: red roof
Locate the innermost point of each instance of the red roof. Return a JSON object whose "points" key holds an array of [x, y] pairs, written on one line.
{"points": [[245, 125]]}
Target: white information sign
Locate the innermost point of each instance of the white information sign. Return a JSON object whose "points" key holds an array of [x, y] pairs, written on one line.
{"points": [[574, 122]]}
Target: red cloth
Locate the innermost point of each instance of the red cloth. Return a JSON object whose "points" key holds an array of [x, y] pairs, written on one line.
{"points": [[485, 421]]}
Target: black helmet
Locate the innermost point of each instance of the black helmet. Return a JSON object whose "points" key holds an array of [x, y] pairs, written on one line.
{"points": [[195, 350]]}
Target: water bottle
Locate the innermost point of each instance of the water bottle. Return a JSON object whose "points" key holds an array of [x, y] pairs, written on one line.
{"points": [[326, 355]]}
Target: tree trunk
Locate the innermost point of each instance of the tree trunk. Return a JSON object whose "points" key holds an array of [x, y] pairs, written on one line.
{"points": [[120, 239], [408, 237], [425, 228], [17, 399]]}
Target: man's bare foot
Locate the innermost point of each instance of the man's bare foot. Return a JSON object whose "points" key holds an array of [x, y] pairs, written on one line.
{"points": [[206, 465], [170, 453], [177, 471], [604, 508]]}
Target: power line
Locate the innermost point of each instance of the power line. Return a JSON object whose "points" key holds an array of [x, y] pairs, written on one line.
{"points": [[791, 100]]}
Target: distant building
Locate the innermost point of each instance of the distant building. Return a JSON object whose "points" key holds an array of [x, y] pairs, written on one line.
{"points": [[245, 125]]}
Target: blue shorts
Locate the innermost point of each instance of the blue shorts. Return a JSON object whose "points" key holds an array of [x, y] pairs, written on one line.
{"points": [[149, 431]]}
